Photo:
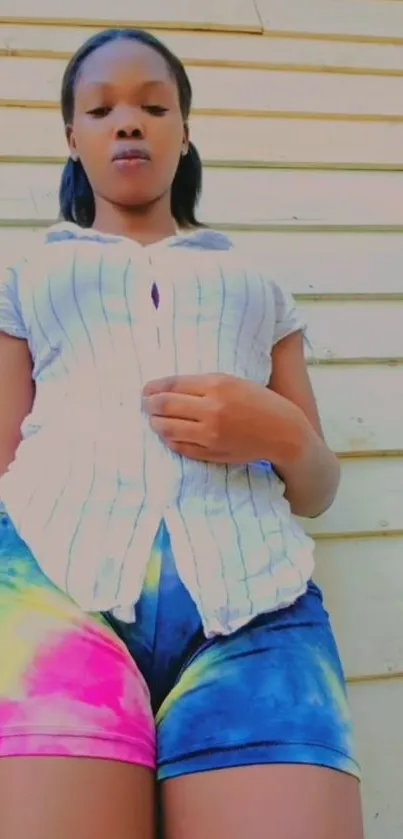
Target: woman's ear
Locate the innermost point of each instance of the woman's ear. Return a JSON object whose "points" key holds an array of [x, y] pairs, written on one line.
{"points": [[185, 141], [71, 142]]}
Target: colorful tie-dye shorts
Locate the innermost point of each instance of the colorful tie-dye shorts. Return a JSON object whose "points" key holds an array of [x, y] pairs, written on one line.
{"points": [[157, 693]]}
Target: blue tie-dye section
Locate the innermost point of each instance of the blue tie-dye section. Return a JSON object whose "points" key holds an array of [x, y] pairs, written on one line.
{"points": [[271, 693], [166, 622]]}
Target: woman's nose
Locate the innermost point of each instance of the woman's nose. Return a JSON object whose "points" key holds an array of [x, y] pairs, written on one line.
{"points": [[129, 123]]}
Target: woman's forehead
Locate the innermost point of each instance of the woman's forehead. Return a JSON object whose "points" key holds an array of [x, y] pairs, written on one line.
{"points": [[125, 60]]}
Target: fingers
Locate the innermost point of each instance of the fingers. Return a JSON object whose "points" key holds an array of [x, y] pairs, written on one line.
{"points": [[188, 439], [157, 386], [191, 385], [176, 406], [177, 431]]}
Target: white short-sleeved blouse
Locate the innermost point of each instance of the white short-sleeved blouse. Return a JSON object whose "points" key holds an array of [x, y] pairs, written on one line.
{"points": [[91, 481]]}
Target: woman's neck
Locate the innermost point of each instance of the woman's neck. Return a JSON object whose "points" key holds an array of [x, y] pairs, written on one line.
{"points": [[145, 225]]}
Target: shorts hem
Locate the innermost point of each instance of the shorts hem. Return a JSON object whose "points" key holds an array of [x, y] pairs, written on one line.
{"points": [[31, 744], [292, 754]]}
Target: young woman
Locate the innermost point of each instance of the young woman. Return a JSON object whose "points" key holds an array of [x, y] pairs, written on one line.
{"points": [[157, 433]]}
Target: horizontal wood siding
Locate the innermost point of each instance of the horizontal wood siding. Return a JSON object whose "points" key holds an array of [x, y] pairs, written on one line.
{"points": [[299, 119]]}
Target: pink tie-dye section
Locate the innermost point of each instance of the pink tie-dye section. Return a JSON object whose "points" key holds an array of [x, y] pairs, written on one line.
{"points": [[81, 695]]}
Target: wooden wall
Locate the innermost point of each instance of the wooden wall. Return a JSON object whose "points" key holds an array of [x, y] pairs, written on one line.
{"points": [[299, 117]]}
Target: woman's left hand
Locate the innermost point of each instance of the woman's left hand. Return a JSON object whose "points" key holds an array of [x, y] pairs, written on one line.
{"points": [[224, 419]]}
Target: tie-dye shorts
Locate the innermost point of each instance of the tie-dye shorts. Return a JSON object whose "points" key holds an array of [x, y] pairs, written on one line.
{"points": [[157, 693]]}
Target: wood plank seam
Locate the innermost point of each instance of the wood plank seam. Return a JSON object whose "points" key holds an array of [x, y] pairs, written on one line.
{"points": [[160, 25], [243, 227], [210, 163], [42, 104], [232, 64]]}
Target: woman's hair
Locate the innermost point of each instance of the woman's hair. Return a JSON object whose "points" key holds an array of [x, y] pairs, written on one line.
{"points": [[76, 198]]}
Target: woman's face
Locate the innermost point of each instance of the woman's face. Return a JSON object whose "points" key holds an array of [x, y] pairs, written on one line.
{"points": [[128, 130]]}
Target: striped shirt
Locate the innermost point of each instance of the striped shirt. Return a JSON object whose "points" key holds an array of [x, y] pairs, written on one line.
{"points": [[91, 481]]}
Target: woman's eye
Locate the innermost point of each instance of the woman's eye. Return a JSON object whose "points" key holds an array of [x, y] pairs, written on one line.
{"points": [[99, 112], [156, 110]]}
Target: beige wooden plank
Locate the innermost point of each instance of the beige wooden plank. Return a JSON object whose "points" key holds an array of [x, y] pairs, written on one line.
{"points": [[361, 407], [238, 14], [330, 17], [330, 263], [284, 142], [377, 712], [38, 79], [355, 330], [287, 141], [370, 499], [15, 241], [194, 46], [362, 581], [277, 91], [328, 198], [344, 18], [239, 197], [312, 264]]}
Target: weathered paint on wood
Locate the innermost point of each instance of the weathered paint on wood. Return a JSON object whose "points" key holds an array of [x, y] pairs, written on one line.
{"points": [[335, 18], [232, 89], [363, 588], [240, 196], [321, 56], [328, 104], [238, 14], [377, 709], [369, 500], [231, 140]]}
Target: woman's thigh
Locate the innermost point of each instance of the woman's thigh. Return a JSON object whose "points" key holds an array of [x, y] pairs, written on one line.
{"points": [[263, 802], [269, 706], [75, 798], [77, 735]]}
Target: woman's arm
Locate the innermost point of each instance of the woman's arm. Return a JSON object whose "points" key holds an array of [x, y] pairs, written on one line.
{"points": [[220, 418], [309, 469], [16, 394]]}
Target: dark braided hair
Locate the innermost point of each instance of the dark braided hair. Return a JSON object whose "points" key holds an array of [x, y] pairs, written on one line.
{"points": [[76, 198]]}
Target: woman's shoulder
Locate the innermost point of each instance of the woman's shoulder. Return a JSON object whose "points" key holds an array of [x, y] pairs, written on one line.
{"points": [[23, 273], [203, 239], [234, 253], [34, 247], [67, 231], [228, 249]]}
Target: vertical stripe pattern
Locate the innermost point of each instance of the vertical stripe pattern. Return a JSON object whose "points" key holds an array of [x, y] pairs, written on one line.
{"points": [[91, 482]]}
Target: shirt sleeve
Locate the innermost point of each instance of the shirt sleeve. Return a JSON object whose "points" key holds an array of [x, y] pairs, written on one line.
{"points": [[11, 319], [288, 317]]}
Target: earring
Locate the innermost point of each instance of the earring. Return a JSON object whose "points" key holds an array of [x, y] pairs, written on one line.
{"points": [[74, 158]]}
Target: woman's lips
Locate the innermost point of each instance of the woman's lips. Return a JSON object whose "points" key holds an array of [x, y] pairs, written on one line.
{"points": [[130, 162]]}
